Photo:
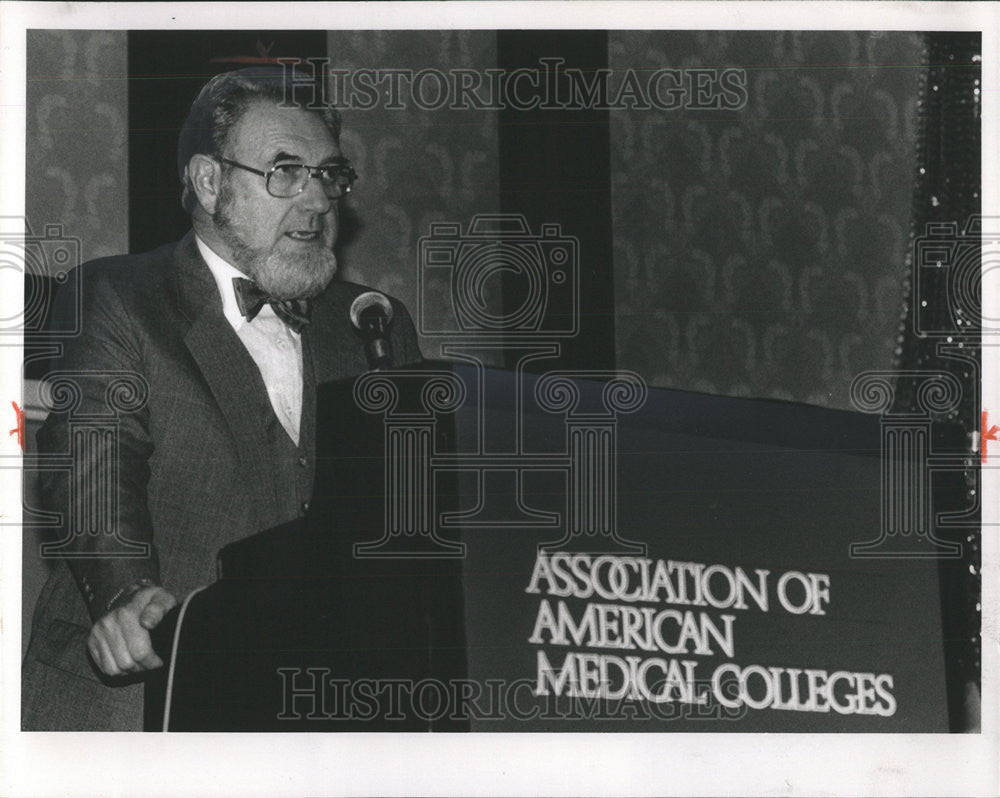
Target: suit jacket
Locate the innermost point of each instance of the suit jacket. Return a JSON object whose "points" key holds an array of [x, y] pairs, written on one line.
{"points": [[192, 470]]}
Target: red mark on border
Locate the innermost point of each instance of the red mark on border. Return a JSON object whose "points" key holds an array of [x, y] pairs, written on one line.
{"points": [[986, 435], [19, 429]]}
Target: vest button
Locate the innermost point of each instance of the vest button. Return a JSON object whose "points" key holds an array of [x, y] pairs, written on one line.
{"points": [[305, 507], [303, 462]]}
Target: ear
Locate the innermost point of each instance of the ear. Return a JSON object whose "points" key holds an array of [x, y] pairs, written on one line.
{"points": [[205, 175]]}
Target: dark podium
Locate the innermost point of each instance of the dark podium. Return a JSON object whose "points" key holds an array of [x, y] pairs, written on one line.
{"points": [[307, 630], [448, 576]]}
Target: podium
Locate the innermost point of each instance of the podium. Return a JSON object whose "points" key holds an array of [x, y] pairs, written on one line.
{"points": [[499, 551], [305, 630]]}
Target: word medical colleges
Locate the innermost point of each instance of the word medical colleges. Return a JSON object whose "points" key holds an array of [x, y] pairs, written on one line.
{"points": [[680, 634]]}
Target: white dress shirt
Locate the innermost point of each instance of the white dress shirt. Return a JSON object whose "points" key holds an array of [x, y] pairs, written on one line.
{"points": [[274, 347]]}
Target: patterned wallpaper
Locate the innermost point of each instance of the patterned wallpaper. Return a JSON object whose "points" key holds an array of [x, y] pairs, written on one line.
{"points": [[416, 166], [76, 176], [760, 251], [757, 252], [77, 137]]}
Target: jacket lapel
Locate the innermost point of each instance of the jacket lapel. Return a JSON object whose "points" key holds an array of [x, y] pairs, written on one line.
{"points": [[337, 351], [226, 366]]}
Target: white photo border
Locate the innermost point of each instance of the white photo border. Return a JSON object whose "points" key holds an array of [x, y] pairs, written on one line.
{"points": [[482, 764]]}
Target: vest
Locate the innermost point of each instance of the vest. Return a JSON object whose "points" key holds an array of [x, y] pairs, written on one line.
{"points": [[293, 468]]}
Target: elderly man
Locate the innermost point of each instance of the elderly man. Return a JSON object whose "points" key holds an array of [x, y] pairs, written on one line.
{"points": [[231, 328]]}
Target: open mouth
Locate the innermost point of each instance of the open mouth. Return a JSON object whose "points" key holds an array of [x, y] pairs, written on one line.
{"points": [[303, 235]]}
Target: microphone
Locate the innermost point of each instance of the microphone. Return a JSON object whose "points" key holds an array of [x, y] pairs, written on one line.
{"points": [[371, 315]]}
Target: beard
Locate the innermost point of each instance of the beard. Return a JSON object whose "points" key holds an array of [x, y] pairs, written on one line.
{"points": [[283, 271]]}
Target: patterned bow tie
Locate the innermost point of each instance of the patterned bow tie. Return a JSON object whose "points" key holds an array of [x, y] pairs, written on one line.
{"points": [[250, 299]]}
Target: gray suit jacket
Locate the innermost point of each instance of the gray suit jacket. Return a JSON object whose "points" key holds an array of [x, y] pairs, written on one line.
{"points": [[193, 472]]}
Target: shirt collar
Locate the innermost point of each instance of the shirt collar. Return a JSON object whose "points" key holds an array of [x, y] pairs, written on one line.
{"points": [[224, 272]]}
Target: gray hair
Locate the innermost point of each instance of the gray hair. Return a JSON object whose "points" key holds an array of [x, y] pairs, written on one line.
{"points": [[221, 104]]}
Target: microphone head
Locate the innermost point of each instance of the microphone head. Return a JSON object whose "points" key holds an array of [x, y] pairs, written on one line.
{"points": [[369, 307]]}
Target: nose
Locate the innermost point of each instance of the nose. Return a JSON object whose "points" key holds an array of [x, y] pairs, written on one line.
{"points": [[313, 198]]}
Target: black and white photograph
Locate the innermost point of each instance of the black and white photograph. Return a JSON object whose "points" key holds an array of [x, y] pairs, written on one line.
{"points": [[607, 388]]}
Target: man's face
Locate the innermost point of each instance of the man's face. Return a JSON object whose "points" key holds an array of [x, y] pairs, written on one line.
{"points": [[284, 244]]}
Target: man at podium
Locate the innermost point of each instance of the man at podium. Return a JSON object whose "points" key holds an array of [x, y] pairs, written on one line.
{"points": [[222, 338]]}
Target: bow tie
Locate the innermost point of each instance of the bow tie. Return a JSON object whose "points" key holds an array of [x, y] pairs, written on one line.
{"points": [[250, 299]]}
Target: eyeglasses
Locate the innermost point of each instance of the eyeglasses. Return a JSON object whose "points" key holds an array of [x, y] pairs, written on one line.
{"points": [[288, 179]]}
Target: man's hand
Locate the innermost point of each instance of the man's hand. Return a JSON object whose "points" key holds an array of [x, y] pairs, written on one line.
{"points": [[119, 642]]}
